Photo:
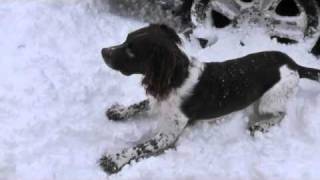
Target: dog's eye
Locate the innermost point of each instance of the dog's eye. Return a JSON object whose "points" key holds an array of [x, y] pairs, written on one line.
{"points": [[129, 52]]}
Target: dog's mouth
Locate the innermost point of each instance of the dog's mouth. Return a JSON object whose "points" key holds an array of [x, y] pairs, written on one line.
{"points": [[121, 70], [108, 61], [110, 64], [125, 73]]}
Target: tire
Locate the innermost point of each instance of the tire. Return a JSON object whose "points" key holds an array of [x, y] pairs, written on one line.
{"points": [[300, 17], [316, 49]]}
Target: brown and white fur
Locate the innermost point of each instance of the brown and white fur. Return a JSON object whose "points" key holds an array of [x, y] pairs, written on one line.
{"points": [[184, 89]]}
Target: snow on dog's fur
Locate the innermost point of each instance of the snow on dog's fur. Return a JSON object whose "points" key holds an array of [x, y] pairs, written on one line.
{"points": [[183, 89]]}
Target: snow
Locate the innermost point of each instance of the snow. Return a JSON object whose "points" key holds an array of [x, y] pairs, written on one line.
{"points": [[55, 88]]}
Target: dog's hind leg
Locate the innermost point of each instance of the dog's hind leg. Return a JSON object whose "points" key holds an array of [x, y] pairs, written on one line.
{"points": [[262, 122], [118, 112], [270, 109]]}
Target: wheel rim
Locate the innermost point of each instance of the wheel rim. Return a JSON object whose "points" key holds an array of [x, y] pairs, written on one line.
{"points": [[294, 24]]}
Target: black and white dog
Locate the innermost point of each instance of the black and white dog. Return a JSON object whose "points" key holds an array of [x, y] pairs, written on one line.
{"points": [[184, 89]]}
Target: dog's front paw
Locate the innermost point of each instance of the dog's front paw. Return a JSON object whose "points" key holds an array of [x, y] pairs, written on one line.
{"points": [[116, 112], [109, 165]]}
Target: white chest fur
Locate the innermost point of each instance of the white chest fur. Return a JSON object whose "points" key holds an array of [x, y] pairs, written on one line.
{"points": [[171, 105]]}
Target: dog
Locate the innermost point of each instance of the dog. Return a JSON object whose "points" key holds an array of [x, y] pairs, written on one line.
{"points": [[185, 90]]}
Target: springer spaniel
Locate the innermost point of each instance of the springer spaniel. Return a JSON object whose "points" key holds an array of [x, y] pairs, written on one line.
{"points": [[185, 90]]}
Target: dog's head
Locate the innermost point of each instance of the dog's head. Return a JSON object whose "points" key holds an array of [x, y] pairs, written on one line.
{"points": [[152, 51]]}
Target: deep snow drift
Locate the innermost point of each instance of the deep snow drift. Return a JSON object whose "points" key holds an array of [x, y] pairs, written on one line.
{"points": [[54, 89]]}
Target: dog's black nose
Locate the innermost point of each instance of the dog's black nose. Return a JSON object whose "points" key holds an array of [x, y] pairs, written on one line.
{"points": [[106, 53]]}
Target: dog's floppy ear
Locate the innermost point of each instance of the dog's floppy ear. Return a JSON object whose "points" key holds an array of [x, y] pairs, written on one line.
{"points": [[168, 31], [165, 70], [171, 33]]}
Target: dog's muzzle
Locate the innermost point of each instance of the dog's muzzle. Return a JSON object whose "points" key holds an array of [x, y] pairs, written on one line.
{"points": [[106, 54]]}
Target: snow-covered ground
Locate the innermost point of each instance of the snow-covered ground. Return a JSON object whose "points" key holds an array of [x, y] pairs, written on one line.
{"points": [[54, 89]]}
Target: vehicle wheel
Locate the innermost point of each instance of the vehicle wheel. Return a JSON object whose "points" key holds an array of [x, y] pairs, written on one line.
{"points": [[287, 20], [316, 49]]}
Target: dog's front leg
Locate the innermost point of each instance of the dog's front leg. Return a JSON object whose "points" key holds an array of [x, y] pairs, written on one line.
{"points": [[118, 112], [156, 145]]}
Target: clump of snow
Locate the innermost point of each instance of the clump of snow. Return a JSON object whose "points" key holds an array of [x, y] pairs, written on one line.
{"points": [[55, 88]]}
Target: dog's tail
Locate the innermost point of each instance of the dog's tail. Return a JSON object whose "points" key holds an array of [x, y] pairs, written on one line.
{"points": [[309, 73]]}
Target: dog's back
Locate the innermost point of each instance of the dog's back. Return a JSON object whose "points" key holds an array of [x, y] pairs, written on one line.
{"points": [[234, 84]]}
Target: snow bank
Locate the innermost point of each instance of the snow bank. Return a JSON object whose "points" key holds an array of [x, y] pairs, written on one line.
{"points": [[54, 89]]}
